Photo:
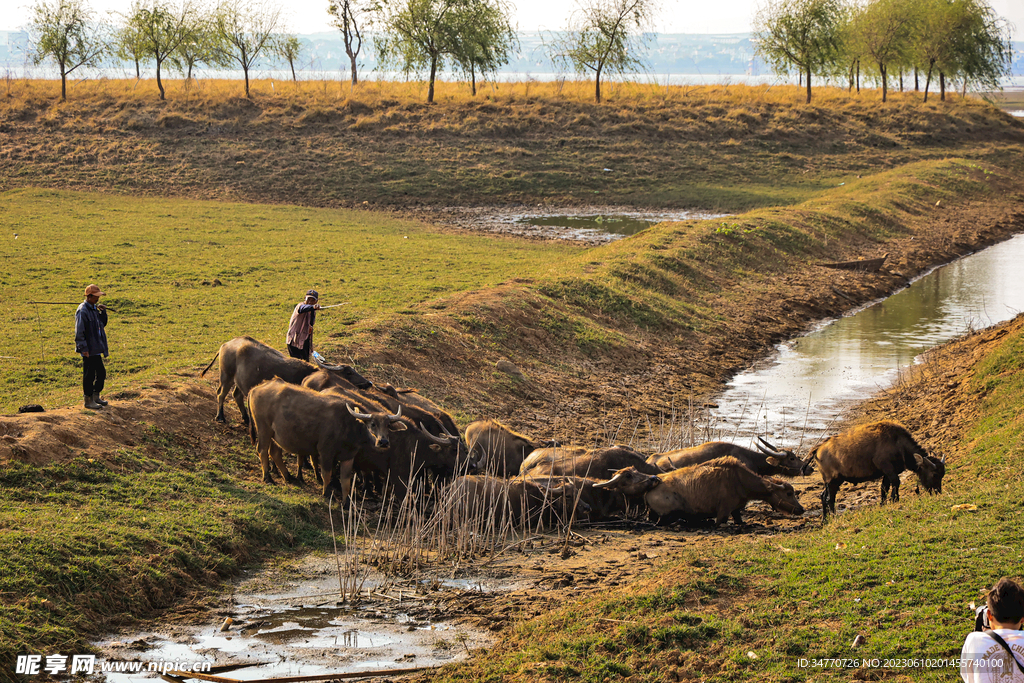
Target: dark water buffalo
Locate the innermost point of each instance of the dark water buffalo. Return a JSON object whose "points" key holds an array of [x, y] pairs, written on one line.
{"points": [[293, 419], [601, 503], [771, 461], [879, 450], [714, 489], [516, 499], [499, 450], [412, 451], [418, 408], [245, 362], [584, 462]]}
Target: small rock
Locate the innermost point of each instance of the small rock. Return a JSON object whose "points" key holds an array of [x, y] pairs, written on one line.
{"points": [[508, 368]]}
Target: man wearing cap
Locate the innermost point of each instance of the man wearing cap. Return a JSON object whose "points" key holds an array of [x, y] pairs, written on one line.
{"points": [[300, 328], [91, 342]]}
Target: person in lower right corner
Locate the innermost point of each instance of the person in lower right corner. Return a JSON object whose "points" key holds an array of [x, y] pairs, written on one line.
{"points": [[994, 653]]}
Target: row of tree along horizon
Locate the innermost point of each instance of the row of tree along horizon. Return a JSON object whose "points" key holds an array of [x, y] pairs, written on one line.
{"points": [[822, 40]]}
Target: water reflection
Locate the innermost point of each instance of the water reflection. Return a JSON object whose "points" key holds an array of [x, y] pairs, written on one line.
{"points": [[813, 378]]}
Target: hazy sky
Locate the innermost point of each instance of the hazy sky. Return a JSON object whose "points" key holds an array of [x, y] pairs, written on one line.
{"points": [[676, 16]]}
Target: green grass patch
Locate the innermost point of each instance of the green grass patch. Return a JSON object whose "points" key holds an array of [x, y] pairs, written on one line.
{"points": [[182, 277]]}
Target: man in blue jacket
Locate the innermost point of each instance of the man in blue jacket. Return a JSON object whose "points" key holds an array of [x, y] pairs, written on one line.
{"points": [[91, 342]]}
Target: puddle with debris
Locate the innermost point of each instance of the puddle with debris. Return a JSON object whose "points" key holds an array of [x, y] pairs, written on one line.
{"points": [[587, 225], [298, 628]]}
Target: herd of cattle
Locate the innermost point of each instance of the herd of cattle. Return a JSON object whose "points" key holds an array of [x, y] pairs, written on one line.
{"points": [[344, 424]]}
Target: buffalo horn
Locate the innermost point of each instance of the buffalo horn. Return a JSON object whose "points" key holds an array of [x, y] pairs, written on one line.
{"points": [[325, 366], [396, 416], [361, 416], [436, 439], [943, 461], [603, 484], [770, 450]]}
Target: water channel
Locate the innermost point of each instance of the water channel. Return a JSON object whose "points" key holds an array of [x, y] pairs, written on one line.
{"points": [[798, 392], [298, 630]]}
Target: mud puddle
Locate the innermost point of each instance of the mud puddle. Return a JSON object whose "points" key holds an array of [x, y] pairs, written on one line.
{"points": [[590, 225], [288, 621]]}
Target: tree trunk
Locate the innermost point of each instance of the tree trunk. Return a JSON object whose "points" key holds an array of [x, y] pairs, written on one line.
{"points": [[291, 63], [433, 75], [159, 83], [63, 84], [808, 84], [245, 70], [472, 74], [885, 81], [928, 80], [858, 76], [964, 93], [355, 76], [597, 85], [917, 83], [901, 79], [942, 86], [138, 70]]}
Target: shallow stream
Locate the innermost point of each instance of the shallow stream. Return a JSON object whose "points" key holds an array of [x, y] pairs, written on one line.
{"points": [[800, 391]]}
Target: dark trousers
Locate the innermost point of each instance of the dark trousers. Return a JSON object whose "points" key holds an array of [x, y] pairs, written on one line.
{"points": [[93, 374], [303, 353]]}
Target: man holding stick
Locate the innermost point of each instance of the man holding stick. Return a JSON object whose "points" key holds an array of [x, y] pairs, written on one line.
{"points": [[300, 327], [91, 342]]}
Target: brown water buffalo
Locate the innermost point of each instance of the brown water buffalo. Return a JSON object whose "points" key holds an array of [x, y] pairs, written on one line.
{"points": [[409, 452], [770, 461], [516, 499], [872, 451], [603, 503], [245, 362], [420, 410], [499, 450], [714, 489], [287, 417], [584, 462]]}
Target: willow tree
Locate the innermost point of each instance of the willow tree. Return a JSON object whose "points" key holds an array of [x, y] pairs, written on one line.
{"points": [[605, 37], [883, 30], [805, 34], [488, 41], [288, 47], [163, 27], [980, 50], [64, 32], [347, 17], [129, 43], [430, 35], [245, 33]]}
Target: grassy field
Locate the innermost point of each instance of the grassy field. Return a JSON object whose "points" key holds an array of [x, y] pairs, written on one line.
{"points": [[182, 277]]}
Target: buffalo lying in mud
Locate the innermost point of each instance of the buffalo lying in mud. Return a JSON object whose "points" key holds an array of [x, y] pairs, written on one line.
{"points": [[714, 489], [293, 419], [771, 461], [872, 451], [600, 503], [499, 450], [584, 462], [245, 362], [516, 500]]}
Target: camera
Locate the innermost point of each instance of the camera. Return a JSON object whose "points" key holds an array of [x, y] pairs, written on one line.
{"points": [[981, 622]]}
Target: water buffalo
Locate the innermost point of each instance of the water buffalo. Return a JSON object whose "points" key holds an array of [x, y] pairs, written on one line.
{"points": [[245, 362], [872, 451], [770, 461], [287, 417], [499, 450], [717, 488], [409, 453], [601, 503], [517, 500], [584, 462], [420, 410]]}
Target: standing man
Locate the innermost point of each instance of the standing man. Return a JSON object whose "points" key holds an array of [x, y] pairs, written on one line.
{"points": [[91, 342], [300, 327]]}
